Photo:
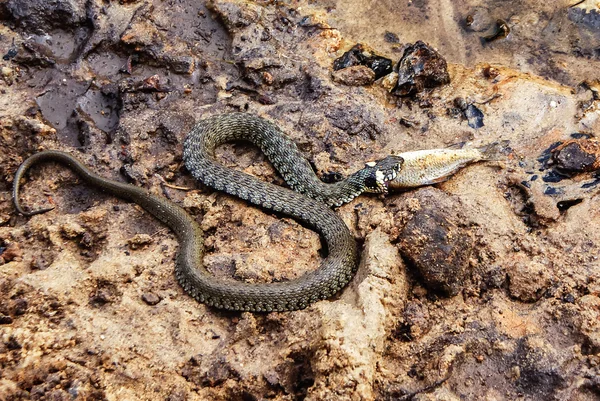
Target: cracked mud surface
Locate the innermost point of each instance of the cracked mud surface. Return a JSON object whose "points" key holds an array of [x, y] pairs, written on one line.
{"points": [[486, 286]]}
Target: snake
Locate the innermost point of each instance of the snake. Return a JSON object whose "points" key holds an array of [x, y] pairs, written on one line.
{"points": [[308, 201]]}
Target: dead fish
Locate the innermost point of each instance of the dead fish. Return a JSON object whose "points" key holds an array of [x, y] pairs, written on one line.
{"points": [[426, 167]]}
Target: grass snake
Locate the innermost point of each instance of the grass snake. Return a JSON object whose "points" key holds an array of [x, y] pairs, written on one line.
{"points": [[308, 204]]}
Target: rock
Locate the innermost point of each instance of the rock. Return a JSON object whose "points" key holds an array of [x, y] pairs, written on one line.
{"points": [[501, 31], [437, 243], [528, 279], [39, 15], [359, 55], [139, 240], [478, 20], [357, 75], [12, 252], [391, 37], [150, 298], [72, 230], [19, 306], [145, 37], [577, 155], [5, 319], [421, 67], [416, 319]]}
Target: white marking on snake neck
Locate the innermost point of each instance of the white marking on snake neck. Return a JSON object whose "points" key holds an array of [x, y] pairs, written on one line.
{"points": [[370, 164]]}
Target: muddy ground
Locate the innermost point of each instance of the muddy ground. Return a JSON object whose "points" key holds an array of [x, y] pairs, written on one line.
{"points": [[484, 287]]}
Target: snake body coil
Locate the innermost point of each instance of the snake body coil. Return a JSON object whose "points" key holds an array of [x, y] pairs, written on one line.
{"points": [[334, 272]]}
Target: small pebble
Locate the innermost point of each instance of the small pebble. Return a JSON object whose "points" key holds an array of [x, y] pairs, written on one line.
{"points": [[150, 298], [5, 319], [139, 240]]}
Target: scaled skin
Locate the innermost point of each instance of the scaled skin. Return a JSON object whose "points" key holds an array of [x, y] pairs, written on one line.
{"points": [[426, 167]]}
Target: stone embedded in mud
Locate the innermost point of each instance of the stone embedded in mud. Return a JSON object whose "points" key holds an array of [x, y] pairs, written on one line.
{"points": [[577, 156], [416, 320], [38, 15], [436, 242], [143, 37], [150, 298], [359, 55], [139, 241], [528, 280], [421, 67], [357, 75], [12, 252], [478, 20]]}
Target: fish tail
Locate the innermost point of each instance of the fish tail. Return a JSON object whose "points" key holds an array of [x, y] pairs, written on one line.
{"points": [[495, 150]]}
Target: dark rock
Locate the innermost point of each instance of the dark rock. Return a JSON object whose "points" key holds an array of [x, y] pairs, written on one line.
{"points": [[150, 298], [589, 19], [391, 37], [576, 156], [218, 372], [566, 204], [10, 54], [436, 242], [495, 277], [528, 279], [547, 154], [553, 191], [19, 306], [553, 176], [474, 116], [502, 30], [421, 67], [359, 55], [39, 15], [5, 319], [13, 343]]}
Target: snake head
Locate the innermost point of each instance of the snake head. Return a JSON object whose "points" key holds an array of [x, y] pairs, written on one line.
{"points": [[380, 173]]}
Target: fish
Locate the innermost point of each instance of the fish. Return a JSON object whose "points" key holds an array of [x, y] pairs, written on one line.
{"points": [[432, 166]]}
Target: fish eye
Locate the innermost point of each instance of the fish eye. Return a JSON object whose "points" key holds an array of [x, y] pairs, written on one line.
{"points": [[371, 182]]}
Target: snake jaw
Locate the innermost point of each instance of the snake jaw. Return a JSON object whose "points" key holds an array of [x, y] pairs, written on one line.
{"points": [[382, 173]]}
